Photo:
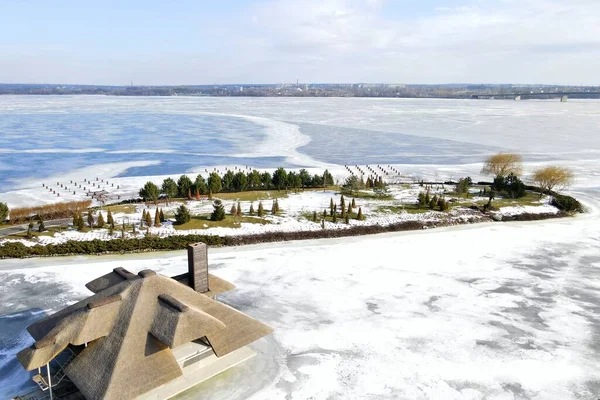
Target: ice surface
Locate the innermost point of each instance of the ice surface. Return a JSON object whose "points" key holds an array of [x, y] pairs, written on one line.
{"points": [[501, 311], [497, 311]]}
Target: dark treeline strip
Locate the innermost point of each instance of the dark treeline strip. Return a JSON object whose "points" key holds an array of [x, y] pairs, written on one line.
{"points": [[153, 243], [238, 180]]}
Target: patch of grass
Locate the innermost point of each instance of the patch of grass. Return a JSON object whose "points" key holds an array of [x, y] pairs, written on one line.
{"points": [[119, 208], [204, 222], [369, 195], [409, 208], [309, 216], [34, 233], [530, 199], [255, 195]]}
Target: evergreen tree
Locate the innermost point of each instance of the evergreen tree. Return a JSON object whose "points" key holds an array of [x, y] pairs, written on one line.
{"points": [[427, 197], [443, 204], [421, 199], [347, 219], [210, 194], [266, 180], [251, 208], [349, 209], [334, 218], [331, 206], [169, 188], [148, 219], [353, 203], [227, 181], [110, 220], [182, 215], [90, 220], [327, 178], [143, 218], [233, 210], [29, 232], [273, 208], [184, 183], [132, 227], [123, 231], [162, 216], [110, 230], [3, 212], [433, 203], [277, 205], [342, 202], [324, 214], [214, 183], [157, 218], [314, 216], [189, 193], [240, 181], [239, 209], [200, 184], [149, 192], [359, 216], [100, 222], [80, 222], [218, 213], [261, 211], [280, 178], [323, 224], [75, 220]]}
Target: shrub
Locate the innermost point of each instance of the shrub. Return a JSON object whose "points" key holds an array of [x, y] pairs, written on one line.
{"points": [[218, 213], [567, 203], [3, 212], [462, 186], [182, 215]]}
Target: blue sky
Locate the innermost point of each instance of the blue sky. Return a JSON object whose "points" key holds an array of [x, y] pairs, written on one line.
{"points": [[273, 41]]}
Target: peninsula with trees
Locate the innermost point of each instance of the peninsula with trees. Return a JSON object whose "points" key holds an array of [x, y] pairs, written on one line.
{"points": [[238, 205]]}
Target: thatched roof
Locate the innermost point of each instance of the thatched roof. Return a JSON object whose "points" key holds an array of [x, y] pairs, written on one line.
{"points": [[131, 324]]}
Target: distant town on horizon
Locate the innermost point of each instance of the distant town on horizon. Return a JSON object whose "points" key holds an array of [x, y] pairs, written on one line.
{"points": [[298, 89]]}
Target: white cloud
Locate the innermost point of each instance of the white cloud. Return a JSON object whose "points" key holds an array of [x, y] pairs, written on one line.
{"points": [[512, 41], [492, 41]]}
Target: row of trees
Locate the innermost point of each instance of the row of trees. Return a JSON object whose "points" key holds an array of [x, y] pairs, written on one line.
{"points": [[234, 182], [182, 215], [506, 168], [424, 199]]}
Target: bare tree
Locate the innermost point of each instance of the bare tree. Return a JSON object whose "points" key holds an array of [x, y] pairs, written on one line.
{"points": [[553, 177], [503, 164]]}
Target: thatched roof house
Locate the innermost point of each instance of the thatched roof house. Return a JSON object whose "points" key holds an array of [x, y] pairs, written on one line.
{"points": [[124, 335]]}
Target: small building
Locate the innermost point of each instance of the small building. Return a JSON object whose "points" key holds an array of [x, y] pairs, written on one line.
{"points": [[144, 335]]}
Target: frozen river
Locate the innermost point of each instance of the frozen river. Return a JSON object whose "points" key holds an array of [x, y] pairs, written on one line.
{"points": [[500, 311]]}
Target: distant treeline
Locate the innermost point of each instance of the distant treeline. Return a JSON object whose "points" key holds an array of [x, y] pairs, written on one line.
{"points": [[458, 91]]}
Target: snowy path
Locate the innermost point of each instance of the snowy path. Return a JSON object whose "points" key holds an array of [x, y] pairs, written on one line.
{"points": [[499, 311]]}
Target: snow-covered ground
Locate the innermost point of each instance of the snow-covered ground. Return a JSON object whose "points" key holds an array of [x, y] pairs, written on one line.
{"points": [[295, 208], [497, 311]]}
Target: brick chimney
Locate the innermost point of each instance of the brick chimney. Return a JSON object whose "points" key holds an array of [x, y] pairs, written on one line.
{"points": [[198, 267]]}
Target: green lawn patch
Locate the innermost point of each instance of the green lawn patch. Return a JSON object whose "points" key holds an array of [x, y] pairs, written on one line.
{"points": [[409, 208], [369, 195], [230, 221]]}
